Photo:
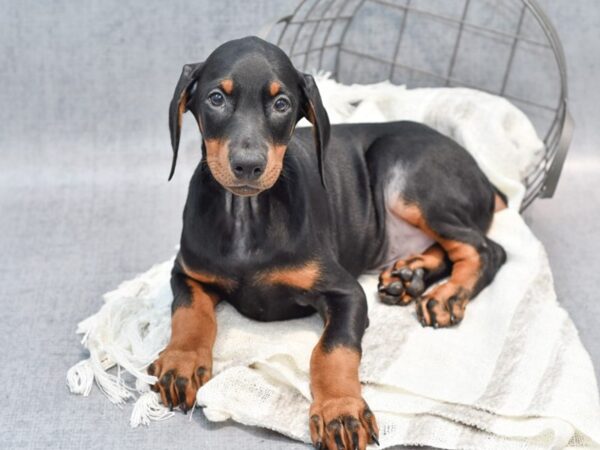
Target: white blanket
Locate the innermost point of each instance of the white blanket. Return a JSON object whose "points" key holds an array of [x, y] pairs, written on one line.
{"points": [[513, 374]]}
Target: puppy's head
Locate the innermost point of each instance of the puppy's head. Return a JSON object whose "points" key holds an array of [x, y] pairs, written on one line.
{"points": [[247, 98]]}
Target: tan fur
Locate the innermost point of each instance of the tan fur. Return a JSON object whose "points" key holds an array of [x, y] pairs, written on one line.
{"points": [[217, 158], [274, 88], [195, 326], [207, 278], [338, 408], [334, 373], [466, 263], [227, 85], [303, 277], [274, 166], [181, 108], [188, 356], [430, 259]]}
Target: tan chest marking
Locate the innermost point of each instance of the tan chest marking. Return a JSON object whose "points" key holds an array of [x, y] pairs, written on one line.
{"points": [[208, 278], [301, 277]]}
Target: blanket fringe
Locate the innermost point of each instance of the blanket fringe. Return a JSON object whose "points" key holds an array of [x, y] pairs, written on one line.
{"points": [[148, 408], [80, 378], [126, 333], [82, 375]]}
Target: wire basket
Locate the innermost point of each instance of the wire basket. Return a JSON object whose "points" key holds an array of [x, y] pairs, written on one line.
{"points": [[504, 47]]}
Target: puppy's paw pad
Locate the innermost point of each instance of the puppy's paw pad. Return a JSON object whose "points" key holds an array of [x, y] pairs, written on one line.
{"points": [[401, 284]]}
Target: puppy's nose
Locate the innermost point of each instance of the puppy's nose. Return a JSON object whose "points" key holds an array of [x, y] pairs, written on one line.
{"points": [[248, 167]]}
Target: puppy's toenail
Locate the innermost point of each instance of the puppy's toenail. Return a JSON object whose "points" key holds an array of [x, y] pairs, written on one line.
{"points": [[374, 438]]}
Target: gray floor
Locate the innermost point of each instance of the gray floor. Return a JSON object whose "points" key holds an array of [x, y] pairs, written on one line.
{"points": [[79, 213]]}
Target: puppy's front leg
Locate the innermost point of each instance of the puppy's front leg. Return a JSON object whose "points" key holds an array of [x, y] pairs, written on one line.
{"points": [[186, 363], [339, 417]]}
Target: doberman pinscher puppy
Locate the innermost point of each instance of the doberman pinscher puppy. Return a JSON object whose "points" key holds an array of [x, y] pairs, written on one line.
{"points": [[280, 223]]}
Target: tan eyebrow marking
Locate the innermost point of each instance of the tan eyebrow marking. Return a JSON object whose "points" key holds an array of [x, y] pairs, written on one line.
{"points": [[227, 85], [274, 88]]}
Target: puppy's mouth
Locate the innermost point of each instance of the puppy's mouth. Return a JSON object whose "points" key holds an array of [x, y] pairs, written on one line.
{"points": [[244, 190]]}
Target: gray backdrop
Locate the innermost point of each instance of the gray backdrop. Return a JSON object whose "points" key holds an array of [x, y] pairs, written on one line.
{"points": [[84, 203]]}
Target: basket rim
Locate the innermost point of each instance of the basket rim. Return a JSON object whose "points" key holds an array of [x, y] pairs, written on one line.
{"points": [[559, 134]]}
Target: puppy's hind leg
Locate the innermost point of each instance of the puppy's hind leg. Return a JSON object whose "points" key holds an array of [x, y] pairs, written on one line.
{"points": [[475, 261], [474, 266], [428, 185]]}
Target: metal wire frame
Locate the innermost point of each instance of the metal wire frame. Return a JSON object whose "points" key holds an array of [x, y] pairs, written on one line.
{"points": [[541, 181]]}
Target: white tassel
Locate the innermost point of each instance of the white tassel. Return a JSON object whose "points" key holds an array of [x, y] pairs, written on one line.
{"points": [[80, 378], [141, 386], [148, 408], [128, 332], [113, 386]]}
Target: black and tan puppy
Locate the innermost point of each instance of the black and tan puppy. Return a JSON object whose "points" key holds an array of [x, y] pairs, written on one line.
{"points": [[280, 223]]}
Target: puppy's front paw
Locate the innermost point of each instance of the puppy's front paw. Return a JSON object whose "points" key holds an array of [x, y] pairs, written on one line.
{"points": [[342, 423], [180, 374]]}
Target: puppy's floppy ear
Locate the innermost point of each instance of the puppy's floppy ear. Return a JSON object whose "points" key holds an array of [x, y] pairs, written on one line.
{"points": [[312, 108], [189, 75]]}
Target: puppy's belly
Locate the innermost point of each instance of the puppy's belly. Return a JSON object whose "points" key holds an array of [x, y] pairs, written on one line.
{"points": [[403, 239]]}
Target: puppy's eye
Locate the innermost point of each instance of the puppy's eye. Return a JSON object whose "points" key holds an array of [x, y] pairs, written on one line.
{"points": [[282, 104], [216, 99]]}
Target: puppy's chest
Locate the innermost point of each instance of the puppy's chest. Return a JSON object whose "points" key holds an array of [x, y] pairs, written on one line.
{"points": [[273, 284], [276, 292], [259, 262]]}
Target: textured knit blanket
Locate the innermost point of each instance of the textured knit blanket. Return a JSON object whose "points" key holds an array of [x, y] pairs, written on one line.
{"points": [[513, 374]]}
